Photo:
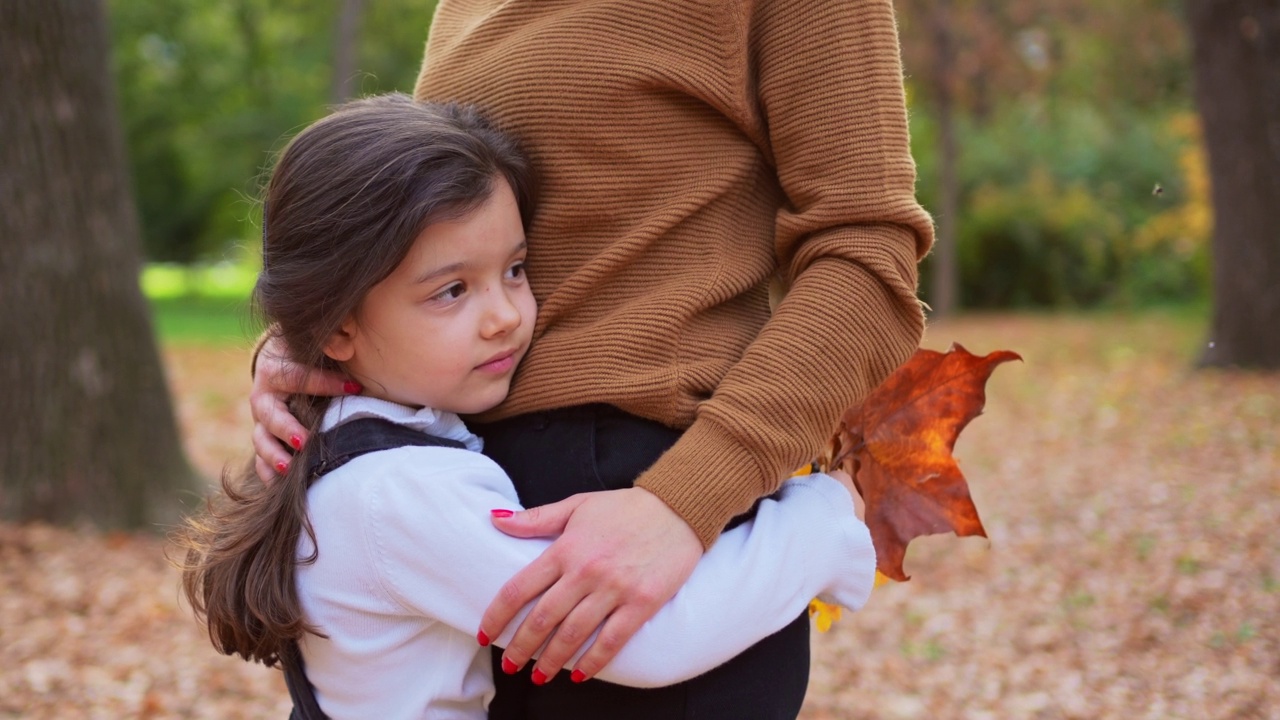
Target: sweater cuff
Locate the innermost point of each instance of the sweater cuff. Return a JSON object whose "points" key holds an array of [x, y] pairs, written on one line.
{"points": [[707, 478], [258, 344]]}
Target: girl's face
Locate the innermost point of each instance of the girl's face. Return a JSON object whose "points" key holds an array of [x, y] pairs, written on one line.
{"points": [[448, 326]]}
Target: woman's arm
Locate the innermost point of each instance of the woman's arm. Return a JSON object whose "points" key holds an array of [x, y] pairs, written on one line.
{"points": [[439, 556], [757, 578]]}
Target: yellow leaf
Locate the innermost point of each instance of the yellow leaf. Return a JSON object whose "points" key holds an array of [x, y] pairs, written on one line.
{"points": [[823, 614]]}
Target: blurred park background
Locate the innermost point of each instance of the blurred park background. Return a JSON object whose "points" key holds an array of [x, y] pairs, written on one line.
{"points": [[1105, 177]]}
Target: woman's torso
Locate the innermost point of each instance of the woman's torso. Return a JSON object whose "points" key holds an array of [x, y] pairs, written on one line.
{"points": [[652, 246]]}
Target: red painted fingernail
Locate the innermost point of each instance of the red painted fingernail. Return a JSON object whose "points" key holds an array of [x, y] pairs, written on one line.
{"points": [[351, 387], [578, 676], [538, 677], [482, 639], [501, 513], [281, 467], [295, 441], [509, 667]]}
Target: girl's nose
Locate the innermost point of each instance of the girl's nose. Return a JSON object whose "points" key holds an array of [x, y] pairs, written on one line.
{"points": [[501, 314]]}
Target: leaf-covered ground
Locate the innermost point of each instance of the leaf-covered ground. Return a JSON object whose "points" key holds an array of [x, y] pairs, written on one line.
{"points": [[1132, 571]]}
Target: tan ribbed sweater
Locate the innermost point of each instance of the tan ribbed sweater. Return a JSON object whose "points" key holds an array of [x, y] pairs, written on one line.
{"points": [[688, 151]]}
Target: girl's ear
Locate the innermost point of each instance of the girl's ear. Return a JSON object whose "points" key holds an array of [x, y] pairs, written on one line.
{"points": [[341, 344]]}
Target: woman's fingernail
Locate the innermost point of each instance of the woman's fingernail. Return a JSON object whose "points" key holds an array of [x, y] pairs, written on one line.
{"points": [[501, 513], [509, 667], [295, 441], [578, 676], [538, 677], [482, 639], [281, 467], [351, 387]]}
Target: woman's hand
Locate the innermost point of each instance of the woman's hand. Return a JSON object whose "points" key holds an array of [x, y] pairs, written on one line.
{"points": [[621, 555], [275, 378]]}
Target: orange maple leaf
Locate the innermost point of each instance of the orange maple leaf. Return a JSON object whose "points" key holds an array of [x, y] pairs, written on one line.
{"points": [[897, 446]]}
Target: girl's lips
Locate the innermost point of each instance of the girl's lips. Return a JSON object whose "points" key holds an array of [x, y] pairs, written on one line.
{"points": [[499, 364]]}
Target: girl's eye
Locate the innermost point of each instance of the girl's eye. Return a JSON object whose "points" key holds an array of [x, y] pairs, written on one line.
{"points": [[453, 292], [516, 271]]}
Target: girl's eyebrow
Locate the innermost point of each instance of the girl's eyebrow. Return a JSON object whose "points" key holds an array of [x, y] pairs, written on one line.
{"points": [[433, 274], [455, 267]]}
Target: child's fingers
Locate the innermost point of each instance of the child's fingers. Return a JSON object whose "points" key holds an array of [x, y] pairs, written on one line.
{"points": [[859, 507]]}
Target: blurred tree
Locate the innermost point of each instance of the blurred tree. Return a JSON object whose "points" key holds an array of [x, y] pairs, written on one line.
{"points": [[1010, 97], [1237, 80], [209, 88], [346, 36], [946, 269], [89, 431]]}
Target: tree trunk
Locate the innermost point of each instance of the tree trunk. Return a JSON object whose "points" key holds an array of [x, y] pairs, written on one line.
{"points": [[946, 272], [88, 429], [346, 36], [1236, 65]]}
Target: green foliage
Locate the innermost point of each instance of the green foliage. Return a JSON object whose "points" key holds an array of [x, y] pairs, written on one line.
{"points": [[1059, 210], [210, 87], [1069, 113]]}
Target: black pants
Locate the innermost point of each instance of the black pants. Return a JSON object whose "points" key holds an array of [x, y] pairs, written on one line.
{"points": [[553, 455]]}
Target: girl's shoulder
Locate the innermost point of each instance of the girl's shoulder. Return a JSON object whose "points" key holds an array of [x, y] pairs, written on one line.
{"points": [[403, 479]]}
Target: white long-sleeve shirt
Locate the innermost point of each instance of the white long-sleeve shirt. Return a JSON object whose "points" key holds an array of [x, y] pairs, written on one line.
{"points": [[408, 560]]}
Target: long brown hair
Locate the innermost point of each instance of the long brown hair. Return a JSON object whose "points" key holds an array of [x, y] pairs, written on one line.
{"points": [[346, 201]]}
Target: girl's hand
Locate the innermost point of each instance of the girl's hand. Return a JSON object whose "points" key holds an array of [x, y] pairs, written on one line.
{"points": [[859, 507], [275, 378]]}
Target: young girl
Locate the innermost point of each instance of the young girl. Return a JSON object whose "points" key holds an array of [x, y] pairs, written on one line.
{"points": [[393, 250]]}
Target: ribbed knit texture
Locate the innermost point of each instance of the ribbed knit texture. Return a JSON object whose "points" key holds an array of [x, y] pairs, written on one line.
{"points": [[688, 152]]}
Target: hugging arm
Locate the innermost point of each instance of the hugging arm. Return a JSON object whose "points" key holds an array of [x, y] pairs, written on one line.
{"points": [[757, 579]]}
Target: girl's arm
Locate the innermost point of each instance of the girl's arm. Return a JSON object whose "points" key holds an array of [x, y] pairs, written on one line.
{"points": [[439, 556]]}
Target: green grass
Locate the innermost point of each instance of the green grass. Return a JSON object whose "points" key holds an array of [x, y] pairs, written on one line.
{"points": [[206, 305], [195, 319], [220, 280]]}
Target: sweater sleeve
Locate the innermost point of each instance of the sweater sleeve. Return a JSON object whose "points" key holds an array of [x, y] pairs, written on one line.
{"points": [[438, 556], [847, 241]]}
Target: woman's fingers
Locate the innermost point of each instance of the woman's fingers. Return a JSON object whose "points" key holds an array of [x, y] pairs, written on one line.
{"points": [[617, 629], [277, 373], [543, 620], [272, 459], [275, 378], [622, 551], [576, 629], [264, 471], [542, 521], [272, 419]]}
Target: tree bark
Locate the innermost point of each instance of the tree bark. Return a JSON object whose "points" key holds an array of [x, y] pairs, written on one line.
{"points": [[1236, 67], [88, 428]]}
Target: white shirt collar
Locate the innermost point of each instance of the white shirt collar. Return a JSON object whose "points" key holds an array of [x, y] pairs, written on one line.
{"points": [[433, 422]]}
